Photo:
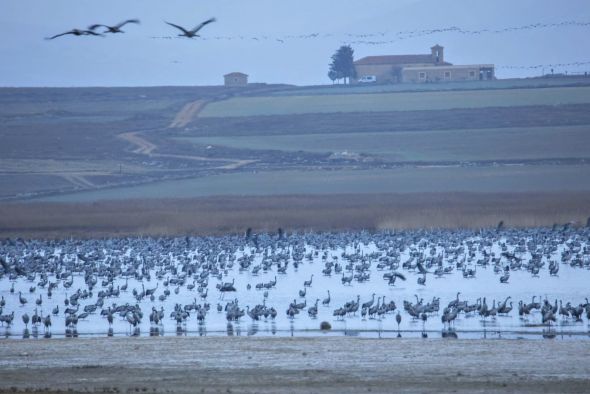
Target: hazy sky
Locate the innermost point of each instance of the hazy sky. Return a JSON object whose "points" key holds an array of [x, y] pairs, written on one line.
{"points": [[136, 58]]}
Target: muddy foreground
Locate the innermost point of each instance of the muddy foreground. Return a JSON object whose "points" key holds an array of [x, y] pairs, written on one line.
{"points": [[328, 364]]}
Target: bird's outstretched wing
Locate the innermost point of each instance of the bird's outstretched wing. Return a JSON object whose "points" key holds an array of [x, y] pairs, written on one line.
{"points": [[421, 268], [93, 27], [91, 33], [178, 27], [120, 25], [399, 275], [196, 29], [59, 35]]}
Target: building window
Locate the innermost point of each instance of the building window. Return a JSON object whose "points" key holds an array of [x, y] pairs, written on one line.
{"points": [[422, 76], [447, 75], [472, 74]]}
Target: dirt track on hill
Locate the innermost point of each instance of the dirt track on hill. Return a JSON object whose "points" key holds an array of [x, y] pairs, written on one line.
{"points": [[281, 365], [188, 113], [145, 147]]}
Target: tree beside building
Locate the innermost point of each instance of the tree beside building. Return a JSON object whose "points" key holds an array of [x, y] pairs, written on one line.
{"points": [[342, 66]]}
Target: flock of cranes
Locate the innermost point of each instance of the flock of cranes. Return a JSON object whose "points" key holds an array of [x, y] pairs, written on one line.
{"points": [[91, 31], [296, 280], [362, 38]]}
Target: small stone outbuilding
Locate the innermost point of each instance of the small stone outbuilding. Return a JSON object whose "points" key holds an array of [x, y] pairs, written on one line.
{"points": [[235, 79]]}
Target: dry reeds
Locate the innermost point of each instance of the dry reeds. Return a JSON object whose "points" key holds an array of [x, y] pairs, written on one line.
{"points": [[222, 215]]}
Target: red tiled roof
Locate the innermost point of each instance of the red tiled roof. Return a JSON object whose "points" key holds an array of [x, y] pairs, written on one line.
{"points": [[395, 59]]}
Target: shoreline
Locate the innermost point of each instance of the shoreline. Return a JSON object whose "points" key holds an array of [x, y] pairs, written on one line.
{"points": [[543, 332]]}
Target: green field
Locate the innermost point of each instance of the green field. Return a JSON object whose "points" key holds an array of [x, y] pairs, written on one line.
{"points": [[447, 86], [73, 144], [523, 143], [407, 101], [400, 180]]}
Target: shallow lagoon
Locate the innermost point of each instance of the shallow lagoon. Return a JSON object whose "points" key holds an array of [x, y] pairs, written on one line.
{"points": [[169, 259]]}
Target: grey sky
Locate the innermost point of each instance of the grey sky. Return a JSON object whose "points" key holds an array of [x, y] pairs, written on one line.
{"points": [[134, 58]]}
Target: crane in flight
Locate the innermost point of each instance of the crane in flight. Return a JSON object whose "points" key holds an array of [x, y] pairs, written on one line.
{"points": [[75, 32], [114, 29], [192, 33]]}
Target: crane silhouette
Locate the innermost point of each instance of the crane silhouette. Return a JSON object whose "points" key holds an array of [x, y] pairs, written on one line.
{"points": [[192, 33], [114, 29], [75, 32]]}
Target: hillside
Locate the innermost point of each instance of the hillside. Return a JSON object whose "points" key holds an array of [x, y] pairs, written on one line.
{"points": [[136, 143]]}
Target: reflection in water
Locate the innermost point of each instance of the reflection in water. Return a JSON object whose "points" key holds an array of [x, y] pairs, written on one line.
{"points": [[180, 331], [450, 333], [253, 329], [230, 330], [26, 333], [110, 332], [154, 331], [71, 333], [273, 327], [549, 333], [202, 330]]}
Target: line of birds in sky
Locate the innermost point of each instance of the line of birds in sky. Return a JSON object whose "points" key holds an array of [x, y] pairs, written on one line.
{"points": [[91, 31], [404, 35], [399, 35], [552, 65]]}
